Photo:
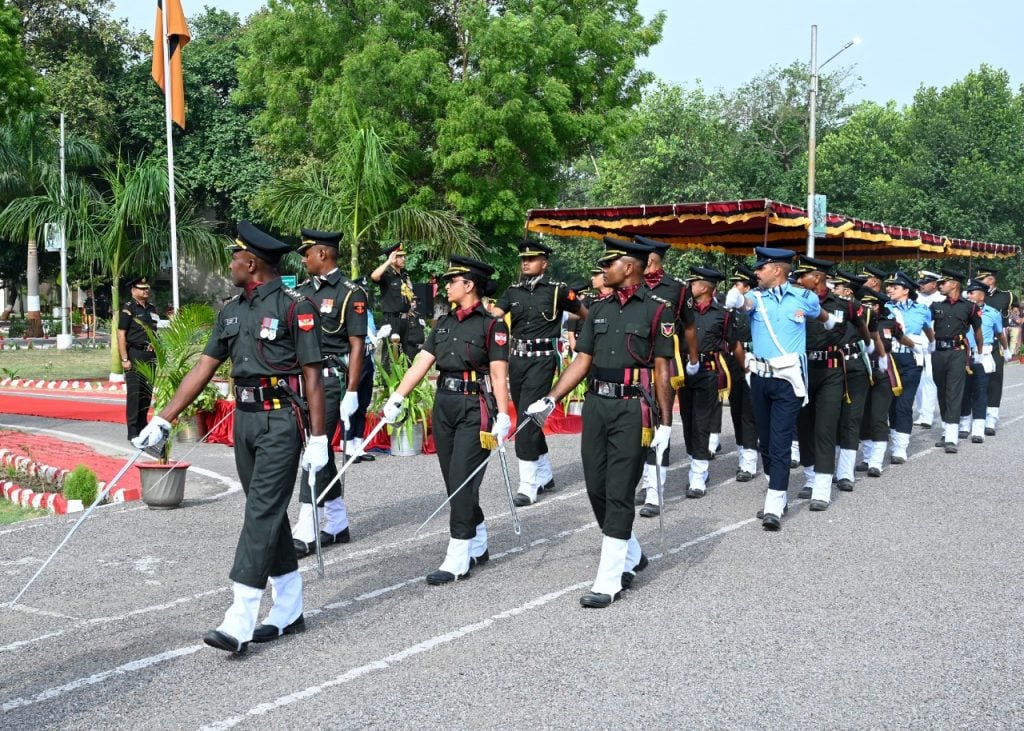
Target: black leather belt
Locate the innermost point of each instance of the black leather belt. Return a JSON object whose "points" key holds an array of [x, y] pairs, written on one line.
{"points": [[457, 385], [950, 344], [534, 346], [825, 358], [614, 390], [145, 348]]}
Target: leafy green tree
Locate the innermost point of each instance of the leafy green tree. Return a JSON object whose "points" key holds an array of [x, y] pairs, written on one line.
{"points": [[357, 193], [17, 79]]}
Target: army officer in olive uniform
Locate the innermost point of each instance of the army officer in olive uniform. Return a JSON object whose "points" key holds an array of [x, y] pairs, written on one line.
{"points": [[470, 348], [342, 305], [396, 301], [272, 335], [137, 320], [535, 303], [625, 350]]}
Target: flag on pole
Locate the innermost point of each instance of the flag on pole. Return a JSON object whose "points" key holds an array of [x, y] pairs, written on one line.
{"points": [[177, 37]]}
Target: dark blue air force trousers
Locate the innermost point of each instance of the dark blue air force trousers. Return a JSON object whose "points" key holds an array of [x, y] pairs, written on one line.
{"points": [[775, 410]]}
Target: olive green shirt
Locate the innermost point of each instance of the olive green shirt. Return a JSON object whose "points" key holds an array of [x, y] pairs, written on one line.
{"points": [[342, 306], [630, 335], [536, 309]]}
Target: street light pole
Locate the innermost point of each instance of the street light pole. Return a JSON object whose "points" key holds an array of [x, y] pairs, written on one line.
{"points": [[812, 142]]}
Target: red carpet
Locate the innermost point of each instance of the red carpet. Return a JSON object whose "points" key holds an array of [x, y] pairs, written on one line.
{"points": [[47, 450], [58, 405]]}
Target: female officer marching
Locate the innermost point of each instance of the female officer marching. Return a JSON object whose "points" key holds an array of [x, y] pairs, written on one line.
{"points": [[471, 409]]}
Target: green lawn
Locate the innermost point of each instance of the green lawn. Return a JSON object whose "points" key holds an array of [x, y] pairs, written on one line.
{"points": [[53, 364], [11, 513]]}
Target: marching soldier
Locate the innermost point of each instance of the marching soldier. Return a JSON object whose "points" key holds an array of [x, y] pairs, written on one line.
{"points": [[137, 320], [779, 313], [925, 402], [272, 335], [625, 349], [874, 428], [1003, 301], [470, 413], [342, 305], [952, 318], [977, 390], [909, 351], [702, 392], [857, 346], [676, 295], [535, 304], [873, 277], [741, 408], [396, 300], [818, 421]]}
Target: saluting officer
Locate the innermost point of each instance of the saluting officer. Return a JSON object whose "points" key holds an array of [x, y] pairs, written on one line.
{"points": [[625, 350], [779, 313], [818, 422], [741, 408], [874, 428], [952, 318], [470, 413], [342, 305], [535, 304], [396, 300], [1003, 301], [911, 342], [272, 335], [857, 346], [675, 294], [976, 390], [137, 320], [925, 402]]}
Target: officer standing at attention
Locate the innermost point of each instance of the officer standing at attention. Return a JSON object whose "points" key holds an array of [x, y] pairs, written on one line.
{"points": [[137, 320], [701, 394], [779, 313], [625, 350], [396, 300], [535, 304], [952, 318], [1002, 301], [925, 402], [272, 335], [909, 351], [976, 390], [342, 305], [470, 414], [675, 294], [818, 422], [741, 408]]}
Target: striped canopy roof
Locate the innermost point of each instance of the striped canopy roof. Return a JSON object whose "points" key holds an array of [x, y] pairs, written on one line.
{"points": [[736, 227]]}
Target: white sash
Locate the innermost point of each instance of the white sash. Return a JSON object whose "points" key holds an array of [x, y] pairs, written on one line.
{"points": [[790, 367]]}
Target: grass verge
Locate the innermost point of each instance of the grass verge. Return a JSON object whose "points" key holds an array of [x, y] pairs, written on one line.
{"points": [[59, 365], [11, 513]]}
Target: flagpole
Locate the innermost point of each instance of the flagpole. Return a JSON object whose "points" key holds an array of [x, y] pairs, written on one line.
{"points": [[170, 162]]}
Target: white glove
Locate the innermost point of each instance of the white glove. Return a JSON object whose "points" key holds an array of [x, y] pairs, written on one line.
{"points": [[831, 322], [734, 299], [1007, 355], [748, 358], [154, 434], [502, 426], [883, 363], [662, 436], [349, 405], [986, 350], [314, 456], [919, 348], [382, 334], [978, 358], [871, 347], [692, 369], [988, 363], [931, 346], [540, 410], [393, 407]]}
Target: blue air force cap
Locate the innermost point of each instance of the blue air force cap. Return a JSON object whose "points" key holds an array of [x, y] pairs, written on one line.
{"points": [[766, 255]]}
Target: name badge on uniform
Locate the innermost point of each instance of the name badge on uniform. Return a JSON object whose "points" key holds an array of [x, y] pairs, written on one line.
{"points": [[839, 315], [231, 321], [268, 329], [327, 305], [156, 317], [442, 331]]}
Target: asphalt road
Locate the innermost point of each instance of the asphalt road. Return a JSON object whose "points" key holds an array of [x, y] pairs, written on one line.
{"points": [[899, 606]]}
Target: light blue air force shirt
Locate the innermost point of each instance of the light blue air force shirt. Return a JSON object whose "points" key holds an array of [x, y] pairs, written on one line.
{"points": [[787, 308], [914, 316], [991, 325]]}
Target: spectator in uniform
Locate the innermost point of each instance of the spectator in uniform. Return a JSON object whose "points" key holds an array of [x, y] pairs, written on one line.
{"points": [[396, 301], [136, 322]]}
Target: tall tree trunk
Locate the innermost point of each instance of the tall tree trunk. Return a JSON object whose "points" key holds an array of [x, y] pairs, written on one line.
{"points": [[33, 317]]}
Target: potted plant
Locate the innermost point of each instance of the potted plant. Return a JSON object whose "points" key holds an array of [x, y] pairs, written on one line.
{"points": [[177, 347], [406, 436]]}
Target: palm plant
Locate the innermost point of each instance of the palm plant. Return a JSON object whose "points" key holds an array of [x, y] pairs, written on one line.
{"points": [[177, 348], [30, 170], [358, 193]]}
